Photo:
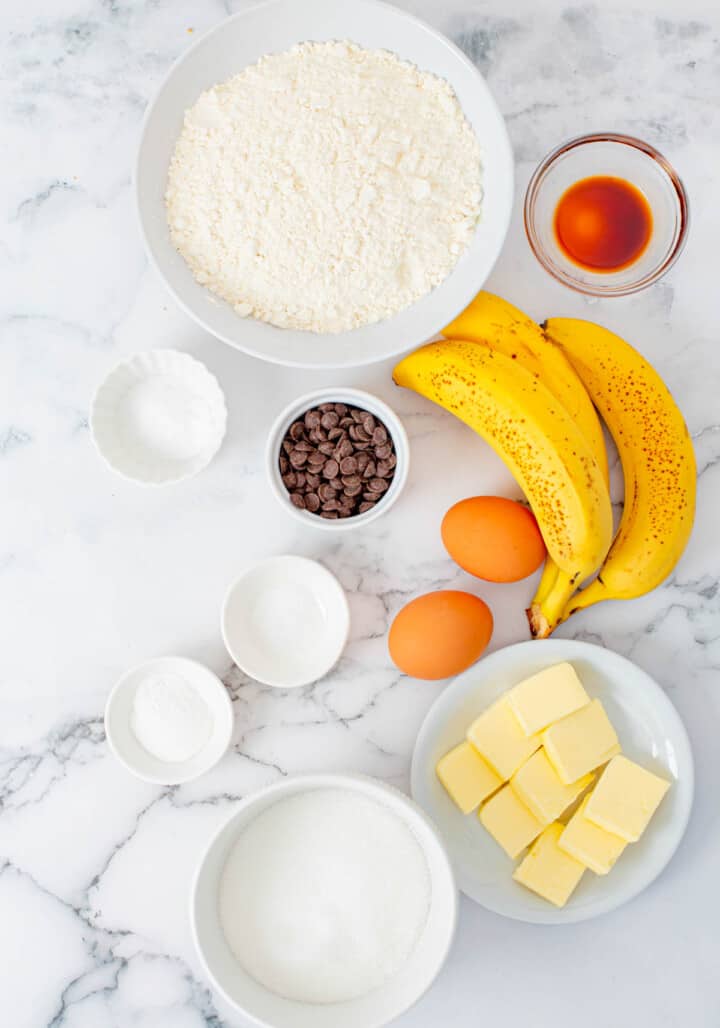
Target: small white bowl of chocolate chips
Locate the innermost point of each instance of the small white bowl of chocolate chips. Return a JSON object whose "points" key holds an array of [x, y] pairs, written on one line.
{"points": [[337, 458]]}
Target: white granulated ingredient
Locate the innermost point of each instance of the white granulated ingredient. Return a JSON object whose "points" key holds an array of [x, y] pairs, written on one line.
{"points": [[161, 415], [324, 896], [169, 718], [324, 188]]}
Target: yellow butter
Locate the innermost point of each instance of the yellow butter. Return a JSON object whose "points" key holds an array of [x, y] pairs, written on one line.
{"points": [[547, 870], [509, 821], [498, 737], [625, 798], [467, 777], [538, 786], [591, 845], [580, 742], [546, 697]]}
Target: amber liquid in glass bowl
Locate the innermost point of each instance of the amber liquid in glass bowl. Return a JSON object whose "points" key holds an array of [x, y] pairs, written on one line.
{"points": [[603, 223]]}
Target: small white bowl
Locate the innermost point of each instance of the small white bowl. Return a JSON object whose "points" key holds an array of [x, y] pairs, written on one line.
{"points": [[121, 738], [158, 417], [372, 1010], [353, 398], [274, 598]]}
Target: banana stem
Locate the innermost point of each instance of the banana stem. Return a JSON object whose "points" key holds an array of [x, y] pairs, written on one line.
{"points": [[546, 614]]}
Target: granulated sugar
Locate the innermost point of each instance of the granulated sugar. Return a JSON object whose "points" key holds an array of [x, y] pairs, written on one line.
{"points": [[324, 896]]}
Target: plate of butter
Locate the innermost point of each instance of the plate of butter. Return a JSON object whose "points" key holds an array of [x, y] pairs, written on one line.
{"points": [[560, 777]]}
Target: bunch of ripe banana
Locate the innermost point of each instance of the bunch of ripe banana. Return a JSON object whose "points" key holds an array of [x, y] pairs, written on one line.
{"points": [[533, 394]]}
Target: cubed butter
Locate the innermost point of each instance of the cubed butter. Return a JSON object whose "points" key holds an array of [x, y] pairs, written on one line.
{"points": [[498, 737], [509, 821], [546, 697], [591, 845], [547, 870], [625, 798], [537, 784], [467, 777], [580, 742]]}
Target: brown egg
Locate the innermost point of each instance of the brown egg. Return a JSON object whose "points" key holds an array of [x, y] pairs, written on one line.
{"points": [[440, 634], [493, 538]]}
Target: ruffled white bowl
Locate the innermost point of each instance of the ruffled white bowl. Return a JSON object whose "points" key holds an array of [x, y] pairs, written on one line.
{"points": [[158, 417]]}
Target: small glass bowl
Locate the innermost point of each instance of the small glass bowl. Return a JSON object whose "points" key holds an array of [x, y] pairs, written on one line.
{"points": [[606, 153]]}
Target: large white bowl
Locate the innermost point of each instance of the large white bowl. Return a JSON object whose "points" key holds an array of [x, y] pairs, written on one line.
{"points": [[274, 27], [374, 1009]]}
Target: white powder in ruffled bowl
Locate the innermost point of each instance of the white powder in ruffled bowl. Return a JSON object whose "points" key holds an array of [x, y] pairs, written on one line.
{"points": [[324, 896]]}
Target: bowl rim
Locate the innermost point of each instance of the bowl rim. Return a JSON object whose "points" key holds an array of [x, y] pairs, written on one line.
{"points": [[387, 795], [335, 394], [435, 324], [680, 196], [300, 681], [224, 729]]}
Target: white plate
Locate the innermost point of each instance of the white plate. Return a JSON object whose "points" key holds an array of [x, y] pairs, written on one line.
{"points": [[121, 738], [263, 610], [650, 732], [274, 27], [374, 1009]]}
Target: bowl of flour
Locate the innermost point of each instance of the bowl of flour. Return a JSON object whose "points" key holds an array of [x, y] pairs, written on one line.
{"points": [[324, 900], [324, 185]]}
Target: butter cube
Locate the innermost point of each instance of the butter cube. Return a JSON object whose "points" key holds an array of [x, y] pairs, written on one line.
{"points": [[546, 697], [467, 777], [509, 821], [538, 786], [498, 737], [625, 799], [592, 846], [580, 742], [547, 870]]}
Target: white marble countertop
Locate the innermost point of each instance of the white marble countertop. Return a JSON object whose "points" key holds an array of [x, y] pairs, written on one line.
{"points": [[97, 574]]}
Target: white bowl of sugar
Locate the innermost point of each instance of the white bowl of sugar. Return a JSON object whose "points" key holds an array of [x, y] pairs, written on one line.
{"points": [[324, 900]]}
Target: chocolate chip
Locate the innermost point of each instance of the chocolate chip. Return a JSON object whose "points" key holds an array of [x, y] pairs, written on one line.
{"points": [[383, 451], [298, 459], [368, 423], [365, 506], [377, 485], [327, 449], [371, 497], [325, 407], [370, 469], [348, 465], [298, 500], [357, 415], [330, 420], [331, 505], [335, 433], [353, 490], [326, 492], [363, 460], [340, 409], [345, 449], [379, 435], [361, 434], [331, 469], [346, 422], [330, 515], [290, 480], [297, 431], [312, 502], [299, 479], [312, 419], [284, 464], [316, 459], [287, 446], [350, 481], [383, 469], [304, 446], [312, 481]]}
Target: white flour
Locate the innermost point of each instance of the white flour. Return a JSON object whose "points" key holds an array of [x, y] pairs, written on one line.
{"points": [[324, 188], [324, 896]]}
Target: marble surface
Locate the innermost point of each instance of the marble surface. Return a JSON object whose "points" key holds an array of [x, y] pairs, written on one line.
{"points": [[97, 574]]}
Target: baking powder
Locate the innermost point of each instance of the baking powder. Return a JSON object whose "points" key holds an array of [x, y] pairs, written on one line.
{"points": [[169, 718]]}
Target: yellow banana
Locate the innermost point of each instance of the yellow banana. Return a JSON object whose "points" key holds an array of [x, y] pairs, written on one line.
{"points": [[510, 331], [657, 458], [538, 440]]}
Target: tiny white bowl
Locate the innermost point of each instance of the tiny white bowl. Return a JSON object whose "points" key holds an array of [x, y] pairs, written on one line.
{"points": [[372, 1010], [121, 738], [353, 398], [158, 417], [275, 591]]}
